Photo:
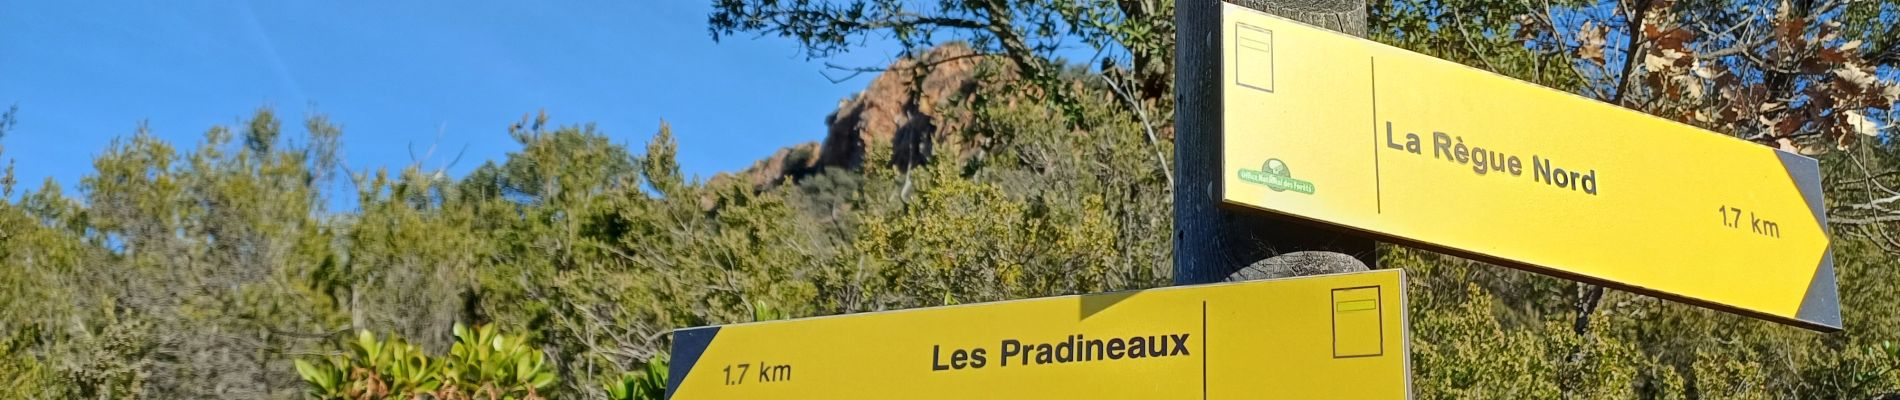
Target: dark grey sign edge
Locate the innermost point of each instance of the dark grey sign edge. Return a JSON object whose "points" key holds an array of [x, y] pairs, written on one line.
{"points": [[1822, 304]]}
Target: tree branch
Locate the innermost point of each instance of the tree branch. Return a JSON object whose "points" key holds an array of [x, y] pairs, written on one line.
{"points": [[1146, 126], [1630, 50]]}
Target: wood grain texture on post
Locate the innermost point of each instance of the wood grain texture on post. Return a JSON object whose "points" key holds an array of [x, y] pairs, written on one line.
{"points": [[1214, 244]]}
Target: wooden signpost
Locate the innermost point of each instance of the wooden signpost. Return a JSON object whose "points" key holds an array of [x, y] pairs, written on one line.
{"points": [[1322, 337]]}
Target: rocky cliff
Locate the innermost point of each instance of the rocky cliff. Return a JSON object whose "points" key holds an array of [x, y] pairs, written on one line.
{"points": [[903, 109]]}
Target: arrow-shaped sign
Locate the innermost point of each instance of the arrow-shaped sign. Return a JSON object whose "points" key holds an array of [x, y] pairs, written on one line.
{"points": [[1421, 151], [1322, 337]]}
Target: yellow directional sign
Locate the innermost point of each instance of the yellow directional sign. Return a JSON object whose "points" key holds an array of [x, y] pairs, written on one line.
{"points": [[1331, 128], [1324, 337]]}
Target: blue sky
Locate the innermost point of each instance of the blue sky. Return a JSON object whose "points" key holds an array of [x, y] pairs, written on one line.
{"points": [[403, 74]]}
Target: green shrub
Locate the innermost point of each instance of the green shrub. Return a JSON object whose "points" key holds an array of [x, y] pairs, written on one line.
{"points": [[650, 385], [483, 364]]}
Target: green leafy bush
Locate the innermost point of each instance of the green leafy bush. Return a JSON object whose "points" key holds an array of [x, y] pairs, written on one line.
{"points": [[484, 364], [648, 385]]}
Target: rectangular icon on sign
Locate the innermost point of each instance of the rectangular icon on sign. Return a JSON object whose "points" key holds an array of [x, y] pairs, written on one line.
{"points": [[1357, 326], [1253, 57]]}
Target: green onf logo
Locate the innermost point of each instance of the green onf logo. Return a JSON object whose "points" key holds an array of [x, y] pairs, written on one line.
{"points": [[1275, 175]]}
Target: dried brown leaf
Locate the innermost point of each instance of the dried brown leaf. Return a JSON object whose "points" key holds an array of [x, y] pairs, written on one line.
{"points": [[1786, 144], [1856, 121], [1591, 39], [1860, 76]]}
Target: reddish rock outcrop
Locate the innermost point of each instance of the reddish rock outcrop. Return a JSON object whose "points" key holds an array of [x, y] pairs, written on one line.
{"points": [[897, 109]]}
